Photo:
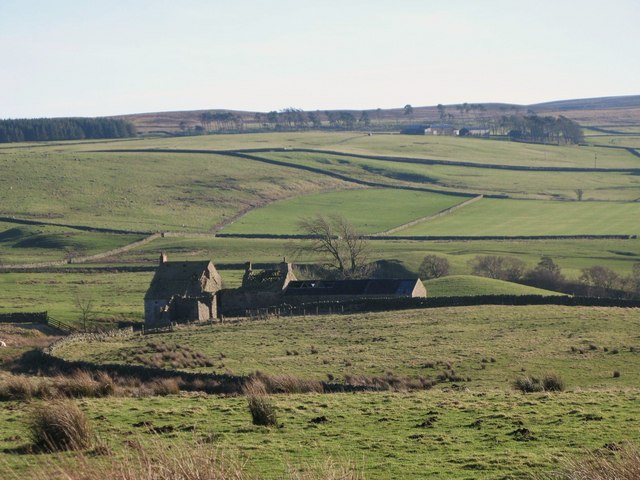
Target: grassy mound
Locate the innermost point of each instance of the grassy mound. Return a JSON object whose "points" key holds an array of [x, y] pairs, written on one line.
{"points": [[469, 285]]}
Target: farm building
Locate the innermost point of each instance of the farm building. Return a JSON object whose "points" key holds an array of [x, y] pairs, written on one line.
{"points": [[260, 288], [336, 290], [182, 292], [414, 130], [440, 129]]}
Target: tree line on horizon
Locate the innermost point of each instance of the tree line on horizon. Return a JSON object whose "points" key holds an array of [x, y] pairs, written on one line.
{"points": [[46, 129], [517, 126]]}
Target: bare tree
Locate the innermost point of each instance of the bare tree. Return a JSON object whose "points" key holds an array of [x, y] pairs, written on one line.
{"points": [[336, 239], [502, 268], [433, 266], [84, 303]]}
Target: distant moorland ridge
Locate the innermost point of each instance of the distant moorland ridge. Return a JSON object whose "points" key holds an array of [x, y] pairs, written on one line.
{"points": [[619, 111]]}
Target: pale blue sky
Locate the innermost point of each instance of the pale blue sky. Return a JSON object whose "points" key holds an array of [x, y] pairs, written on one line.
{"points": [[96, 57]]}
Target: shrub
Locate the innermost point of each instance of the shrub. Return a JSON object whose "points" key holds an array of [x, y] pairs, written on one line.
{"points": [[616, 374], [433, 266], [510, 269], [59, 425], [262, 410]]}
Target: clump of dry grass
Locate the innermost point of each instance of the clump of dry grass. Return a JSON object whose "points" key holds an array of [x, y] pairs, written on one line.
{"points": [[390, 381], [288, 384], [624, 464], [19, 387], [181, 462], [551, 382], [165, 386], [59, 425], [260, 406], [327, 470]]}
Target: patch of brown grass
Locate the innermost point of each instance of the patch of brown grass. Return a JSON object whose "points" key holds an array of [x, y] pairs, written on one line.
{"points": [[187, 462], [288, 384], [59, 425], [260, 406], [617, 463]]}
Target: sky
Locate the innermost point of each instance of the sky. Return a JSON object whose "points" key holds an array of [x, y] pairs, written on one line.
{"points": [[98, 58]]}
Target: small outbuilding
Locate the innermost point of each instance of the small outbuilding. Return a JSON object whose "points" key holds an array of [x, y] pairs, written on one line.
{"points": [[182, 292]]}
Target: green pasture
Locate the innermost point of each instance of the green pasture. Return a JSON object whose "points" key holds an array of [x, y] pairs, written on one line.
{"points": [[43, 243], [114, 296], [415, 343], [513, 183], [632, 141], [404, 255], [467, 434], [369, 210], [469, 285], [525, 217], [463, 149], [145, 191]]}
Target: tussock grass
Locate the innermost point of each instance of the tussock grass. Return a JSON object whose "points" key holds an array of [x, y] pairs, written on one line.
{"points": [[186, 462], [551, 382], [624, 464], [390, 381], [261, 408], [288, 384], [59, 425]]}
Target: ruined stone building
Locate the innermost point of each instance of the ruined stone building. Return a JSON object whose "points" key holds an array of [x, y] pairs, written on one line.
{"points": [[261, 288], [182, 292]]}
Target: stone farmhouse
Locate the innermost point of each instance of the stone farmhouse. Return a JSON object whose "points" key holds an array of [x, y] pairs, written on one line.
{"points": [[182, 291], [192, 291]]}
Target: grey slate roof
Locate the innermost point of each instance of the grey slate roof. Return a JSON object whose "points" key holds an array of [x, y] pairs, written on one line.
{"points": [[185, 279], [395, 287]]}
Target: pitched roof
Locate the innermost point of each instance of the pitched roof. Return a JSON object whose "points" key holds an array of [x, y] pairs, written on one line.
{"points": [[352, 287], [184, 279]]}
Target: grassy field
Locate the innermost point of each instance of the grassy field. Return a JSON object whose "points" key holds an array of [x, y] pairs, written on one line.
{"points": [[369, 210], [441, 148], [466, 434], [523, 217], [43, 243], [116, 296], [479, 427], [469, 285], [571, 255], [143, 192], [513, 183], [419, 342]]}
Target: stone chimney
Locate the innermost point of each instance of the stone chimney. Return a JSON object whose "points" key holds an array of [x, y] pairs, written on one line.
{"points": [[163, 258], [286, 273], [247, 274]]}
